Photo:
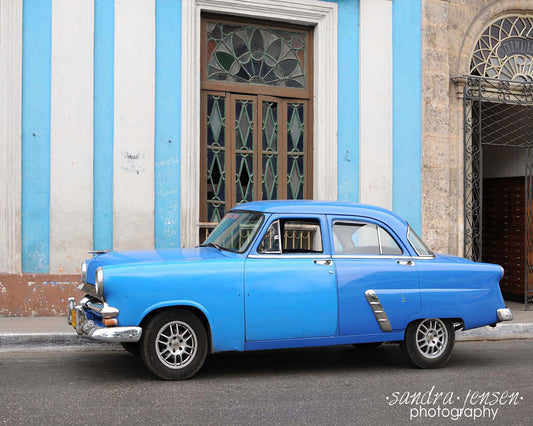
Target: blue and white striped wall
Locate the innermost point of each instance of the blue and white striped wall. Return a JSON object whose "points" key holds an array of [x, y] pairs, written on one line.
{"points": [[379, 154], [100, 128], [101, 107]]}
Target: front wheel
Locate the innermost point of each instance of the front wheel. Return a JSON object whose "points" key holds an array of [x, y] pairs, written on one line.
{"points": [[174, 344], [429, 343]]}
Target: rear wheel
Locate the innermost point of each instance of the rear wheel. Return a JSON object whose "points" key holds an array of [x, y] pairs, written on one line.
{"points": [[429, 343], [174, 344]]}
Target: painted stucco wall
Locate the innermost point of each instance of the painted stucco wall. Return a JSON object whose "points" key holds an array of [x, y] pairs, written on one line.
{"points": [[93, 155]]}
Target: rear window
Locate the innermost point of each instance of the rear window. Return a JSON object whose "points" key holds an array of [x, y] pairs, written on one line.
{"points": [[417, 243], [363, 239]]}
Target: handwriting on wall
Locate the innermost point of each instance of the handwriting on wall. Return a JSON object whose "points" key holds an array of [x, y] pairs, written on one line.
{"points": [[133, 162]]}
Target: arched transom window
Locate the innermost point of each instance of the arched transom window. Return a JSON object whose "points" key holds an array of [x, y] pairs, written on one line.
{"points": [[505, 50]]}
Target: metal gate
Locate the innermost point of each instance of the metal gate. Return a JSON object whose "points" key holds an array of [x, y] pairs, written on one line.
{"points": [[498, 113]]}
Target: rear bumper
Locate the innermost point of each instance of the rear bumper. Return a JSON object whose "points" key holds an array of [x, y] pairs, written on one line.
{"points": [[504, 314], [77, 317]]}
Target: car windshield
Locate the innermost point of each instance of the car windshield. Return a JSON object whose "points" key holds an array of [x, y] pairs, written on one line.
{"points": [[235, 232], [417, 243]]}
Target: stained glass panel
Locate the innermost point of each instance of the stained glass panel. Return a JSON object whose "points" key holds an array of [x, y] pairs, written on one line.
{"points": [[216, 157], [295, 150], [270, 152], [244, 121], [257, 55], [245, 178], [244, 150]]}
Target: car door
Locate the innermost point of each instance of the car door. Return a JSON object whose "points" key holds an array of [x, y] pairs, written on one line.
{"points": [[377, 277], [290, 282]]}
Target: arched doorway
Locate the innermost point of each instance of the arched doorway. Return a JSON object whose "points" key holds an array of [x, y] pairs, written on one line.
{"points": [[498, 153]]}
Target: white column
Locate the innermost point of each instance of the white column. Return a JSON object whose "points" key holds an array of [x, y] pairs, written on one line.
{"points": [[10, 134], [375, 139], [133, 164], [71, 135]]}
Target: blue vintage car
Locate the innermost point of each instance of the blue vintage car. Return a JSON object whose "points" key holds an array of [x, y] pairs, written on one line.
{"points": [[287, 274]]}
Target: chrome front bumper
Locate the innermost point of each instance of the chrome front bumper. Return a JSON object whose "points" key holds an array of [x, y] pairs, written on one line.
{"points": [[504, 314], [85, 327]]}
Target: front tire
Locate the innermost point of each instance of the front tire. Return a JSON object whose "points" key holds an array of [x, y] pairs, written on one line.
{"points": [[429, 343], [174, 344]]}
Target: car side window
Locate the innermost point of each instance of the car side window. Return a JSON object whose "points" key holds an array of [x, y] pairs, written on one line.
{"points": [[364, 239], [292, 236]]}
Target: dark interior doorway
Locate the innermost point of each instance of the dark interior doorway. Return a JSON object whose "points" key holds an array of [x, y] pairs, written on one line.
{"points": [[504, 222], [498, 180]]}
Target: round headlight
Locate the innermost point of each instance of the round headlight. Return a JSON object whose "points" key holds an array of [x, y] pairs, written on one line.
{"points": [[83, 272], [99, 282]]}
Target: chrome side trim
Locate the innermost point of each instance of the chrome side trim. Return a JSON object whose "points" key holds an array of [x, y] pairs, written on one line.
{"points": [[504, 314], [378, 256], [309, 256], [381, 317], [370, 256]]}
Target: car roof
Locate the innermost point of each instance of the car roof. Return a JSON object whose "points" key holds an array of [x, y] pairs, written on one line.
{"points": [[321, 207]]}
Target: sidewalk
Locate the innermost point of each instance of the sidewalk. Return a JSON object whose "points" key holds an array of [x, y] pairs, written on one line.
{"points": [[47, 332]]}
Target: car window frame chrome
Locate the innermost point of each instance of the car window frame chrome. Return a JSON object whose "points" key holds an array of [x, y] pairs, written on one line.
{"points": [[377, 224], [420, 256], [324, 236], [273, 252]]}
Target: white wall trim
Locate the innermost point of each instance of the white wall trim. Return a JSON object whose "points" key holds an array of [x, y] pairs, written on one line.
{"points": [[10, 135], [71, 135], [322, 15], [133, 150], [375, 142]]}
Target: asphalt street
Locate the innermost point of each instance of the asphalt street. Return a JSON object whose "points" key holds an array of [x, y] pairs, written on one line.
{"points": [[335, 385]]}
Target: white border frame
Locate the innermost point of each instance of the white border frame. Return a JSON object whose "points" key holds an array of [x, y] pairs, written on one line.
{"points": [[323, 16], [10, 136]]}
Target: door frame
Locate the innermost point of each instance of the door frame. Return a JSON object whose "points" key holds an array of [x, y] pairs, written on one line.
{"points": [[319, 14]]}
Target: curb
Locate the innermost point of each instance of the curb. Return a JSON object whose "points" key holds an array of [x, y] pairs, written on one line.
{"points": [[500, 332], [10, 342]]}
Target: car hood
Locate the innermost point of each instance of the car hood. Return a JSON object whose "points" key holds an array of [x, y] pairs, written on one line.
{"points": [[150, 256]]}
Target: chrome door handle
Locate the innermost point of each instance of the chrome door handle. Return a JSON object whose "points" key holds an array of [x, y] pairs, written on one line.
{"points": [[405, 262], [323, 262]]}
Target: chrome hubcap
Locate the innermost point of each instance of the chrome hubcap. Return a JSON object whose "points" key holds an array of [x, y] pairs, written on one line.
{"points": [[431, 338], [176, 344]]}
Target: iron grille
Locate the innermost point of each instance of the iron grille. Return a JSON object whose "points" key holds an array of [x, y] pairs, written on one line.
{"points": [[497, 113]]}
